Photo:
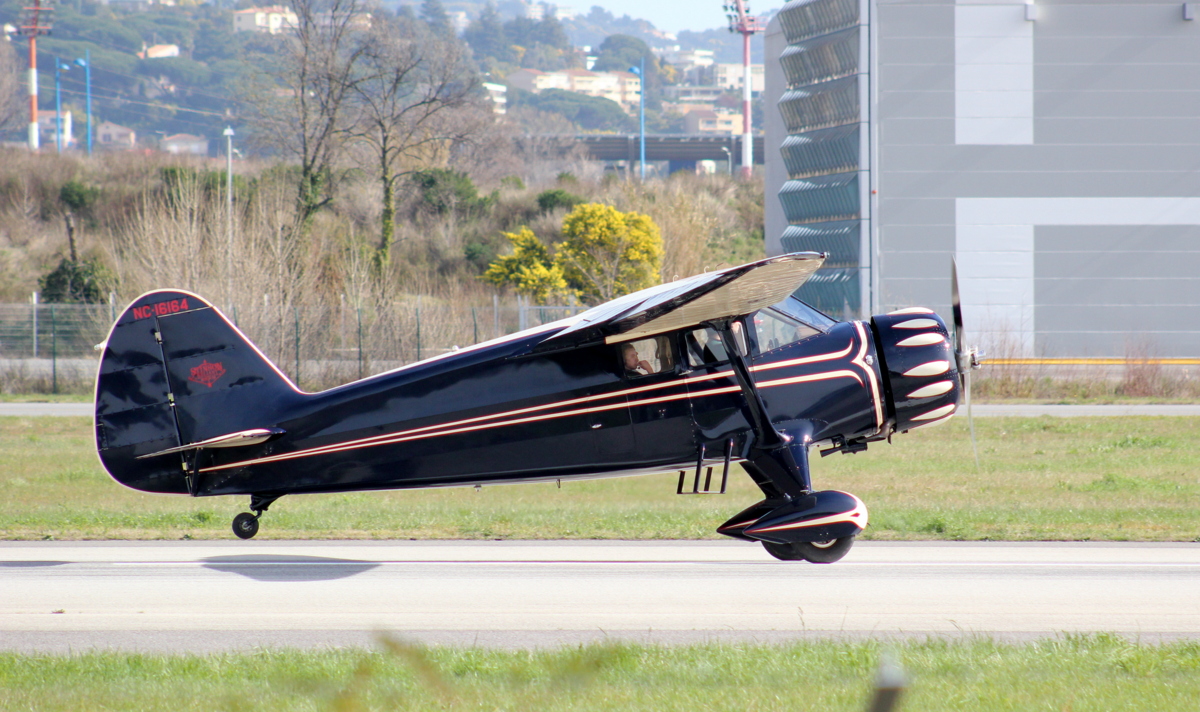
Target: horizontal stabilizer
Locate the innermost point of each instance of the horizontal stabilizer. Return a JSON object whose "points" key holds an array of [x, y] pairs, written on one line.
{"points": [[241, 438]]}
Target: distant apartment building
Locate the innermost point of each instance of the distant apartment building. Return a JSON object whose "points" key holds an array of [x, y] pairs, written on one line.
{"points": [[625, 88], [712, 122], [732, 76], [498, 93], [459, 21], [140, 5], [687, 60], [158, 51], [184, 144], [271, 20], [49, 123], [537, 10], [114, 137], [689, 94]]}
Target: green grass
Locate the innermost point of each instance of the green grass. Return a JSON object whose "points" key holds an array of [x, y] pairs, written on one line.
{"points": [[1096, 672], [47, 397], [1135, 479]]}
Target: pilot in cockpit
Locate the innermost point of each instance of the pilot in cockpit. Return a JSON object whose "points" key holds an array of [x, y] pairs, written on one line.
{"points": [[634, 365]]}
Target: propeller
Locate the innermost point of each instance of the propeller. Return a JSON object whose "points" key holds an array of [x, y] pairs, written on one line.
{"points": [[966, 359]]}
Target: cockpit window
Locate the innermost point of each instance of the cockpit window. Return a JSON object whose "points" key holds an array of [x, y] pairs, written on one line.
{"points": [[704, 347], [773, 330], [802, 312], [647, 356]]}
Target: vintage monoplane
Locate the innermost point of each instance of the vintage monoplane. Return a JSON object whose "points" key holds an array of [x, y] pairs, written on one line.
{"points": [[690, 376]]}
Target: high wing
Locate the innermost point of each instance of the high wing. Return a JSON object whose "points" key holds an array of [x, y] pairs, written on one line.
{"points": [[690, 302]]}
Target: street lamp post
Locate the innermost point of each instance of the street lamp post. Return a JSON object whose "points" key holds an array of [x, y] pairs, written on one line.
{"points": [[640, 70], [741, 21], [86, 63], [728, 158], [229, 216], [59, 68]]}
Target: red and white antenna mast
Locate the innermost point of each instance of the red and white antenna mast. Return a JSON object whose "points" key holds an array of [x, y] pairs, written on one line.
{"points": [[36, 21], [741, 21]]}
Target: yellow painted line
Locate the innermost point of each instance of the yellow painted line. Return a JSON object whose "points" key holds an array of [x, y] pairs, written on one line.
{"points": [[1091, 361]]}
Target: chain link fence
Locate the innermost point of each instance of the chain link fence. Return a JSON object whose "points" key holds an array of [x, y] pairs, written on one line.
{"points": [[50, 348]]}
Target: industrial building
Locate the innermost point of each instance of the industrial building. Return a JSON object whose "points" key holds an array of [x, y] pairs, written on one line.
{"points": [[1052, 148]]}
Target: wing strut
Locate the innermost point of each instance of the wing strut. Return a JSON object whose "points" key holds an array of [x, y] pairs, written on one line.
{"points": [[778, 462]]}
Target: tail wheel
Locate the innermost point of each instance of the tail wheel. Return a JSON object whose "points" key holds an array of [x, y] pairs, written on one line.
{"points": [[817, 552], [245, 525]]}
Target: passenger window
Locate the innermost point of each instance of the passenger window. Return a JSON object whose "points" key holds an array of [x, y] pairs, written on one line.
{"points": [[704, 347], [773, 330], [647, 356]]}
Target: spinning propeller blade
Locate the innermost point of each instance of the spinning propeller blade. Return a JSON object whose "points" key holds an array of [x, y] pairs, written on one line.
{"points": [[965, 359]]}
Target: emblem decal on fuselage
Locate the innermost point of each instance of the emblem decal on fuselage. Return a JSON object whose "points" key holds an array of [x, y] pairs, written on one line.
{"points": [[207, 373]]}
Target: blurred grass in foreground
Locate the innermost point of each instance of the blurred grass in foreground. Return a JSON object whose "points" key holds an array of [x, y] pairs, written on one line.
{"points": [[1087, 672], [1135, 479]]}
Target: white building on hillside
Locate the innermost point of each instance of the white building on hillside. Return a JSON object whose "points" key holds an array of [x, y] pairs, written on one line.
{"points": [[271, 20]]}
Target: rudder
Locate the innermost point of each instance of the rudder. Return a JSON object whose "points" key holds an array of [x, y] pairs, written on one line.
{"points": [[175, 371]]}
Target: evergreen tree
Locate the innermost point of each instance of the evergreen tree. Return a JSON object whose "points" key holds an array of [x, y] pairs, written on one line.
{"points": [[435, 15], [550, 32], [486, 35]]}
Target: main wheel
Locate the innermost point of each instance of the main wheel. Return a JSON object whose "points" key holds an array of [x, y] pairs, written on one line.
{"points": [[245, 525], [817, 552]]}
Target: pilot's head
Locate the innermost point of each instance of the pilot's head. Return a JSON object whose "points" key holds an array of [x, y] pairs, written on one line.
{"points": [[630, 355]]}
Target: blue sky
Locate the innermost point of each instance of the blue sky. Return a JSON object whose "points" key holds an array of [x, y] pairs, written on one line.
{"points": [[672, 15]]}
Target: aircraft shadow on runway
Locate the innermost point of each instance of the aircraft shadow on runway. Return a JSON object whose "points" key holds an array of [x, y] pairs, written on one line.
{"points": [[288, 568]]}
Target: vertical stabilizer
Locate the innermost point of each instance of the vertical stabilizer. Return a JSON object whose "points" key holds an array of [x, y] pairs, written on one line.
{"points": [[175, 371]]}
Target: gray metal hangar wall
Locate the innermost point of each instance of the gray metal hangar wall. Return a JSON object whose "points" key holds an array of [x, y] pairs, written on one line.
{"points": [[1052, 148]]}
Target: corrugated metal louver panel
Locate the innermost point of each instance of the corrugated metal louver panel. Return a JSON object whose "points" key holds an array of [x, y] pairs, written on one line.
{"points": [[821, 198], [808, 18], [821, 58], [819, 106], [820, 152], [841, 240], [834, 291]]}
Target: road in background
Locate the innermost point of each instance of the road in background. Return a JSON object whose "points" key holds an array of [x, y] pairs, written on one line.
{"points": [[206, 596]]}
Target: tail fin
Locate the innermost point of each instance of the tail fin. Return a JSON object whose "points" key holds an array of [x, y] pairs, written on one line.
{"points": [[175, 371]]}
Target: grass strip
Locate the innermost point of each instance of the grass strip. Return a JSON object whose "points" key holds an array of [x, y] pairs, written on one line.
{"points": [[1111, 478], [1075, 672]]}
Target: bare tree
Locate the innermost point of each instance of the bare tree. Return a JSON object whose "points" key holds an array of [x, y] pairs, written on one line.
{"points": [[302, 106], [11, 107], [412, 101]]}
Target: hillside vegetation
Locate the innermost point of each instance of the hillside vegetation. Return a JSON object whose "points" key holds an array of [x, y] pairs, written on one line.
{"points": [[156, 221]]}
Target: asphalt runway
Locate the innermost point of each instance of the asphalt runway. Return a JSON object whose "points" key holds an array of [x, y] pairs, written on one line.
{"points": [[212, 596], [981, 411]]}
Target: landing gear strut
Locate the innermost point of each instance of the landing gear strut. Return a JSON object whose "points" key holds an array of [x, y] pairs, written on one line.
{"points": [[245, 525]]}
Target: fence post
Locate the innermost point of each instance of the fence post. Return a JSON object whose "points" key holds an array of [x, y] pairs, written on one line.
{"points": [[296, 314], [496, 316], [35, 306], [418, 328], [112, 307], [475, 325], [53, 351], [358, 310]]}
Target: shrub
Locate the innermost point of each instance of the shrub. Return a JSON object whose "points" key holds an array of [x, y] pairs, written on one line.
{"points": [[443, 190], [74, 281], [548, 200], [77, 196]]}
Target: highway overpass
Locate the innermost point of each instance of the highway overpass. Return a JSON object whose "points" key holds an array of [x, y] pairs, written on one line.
{"points": [[679, 149]]}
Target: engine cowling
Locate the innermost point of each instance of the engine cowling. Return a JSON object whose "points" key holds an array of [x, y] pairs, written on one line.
{"points": [[919, 367]]}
